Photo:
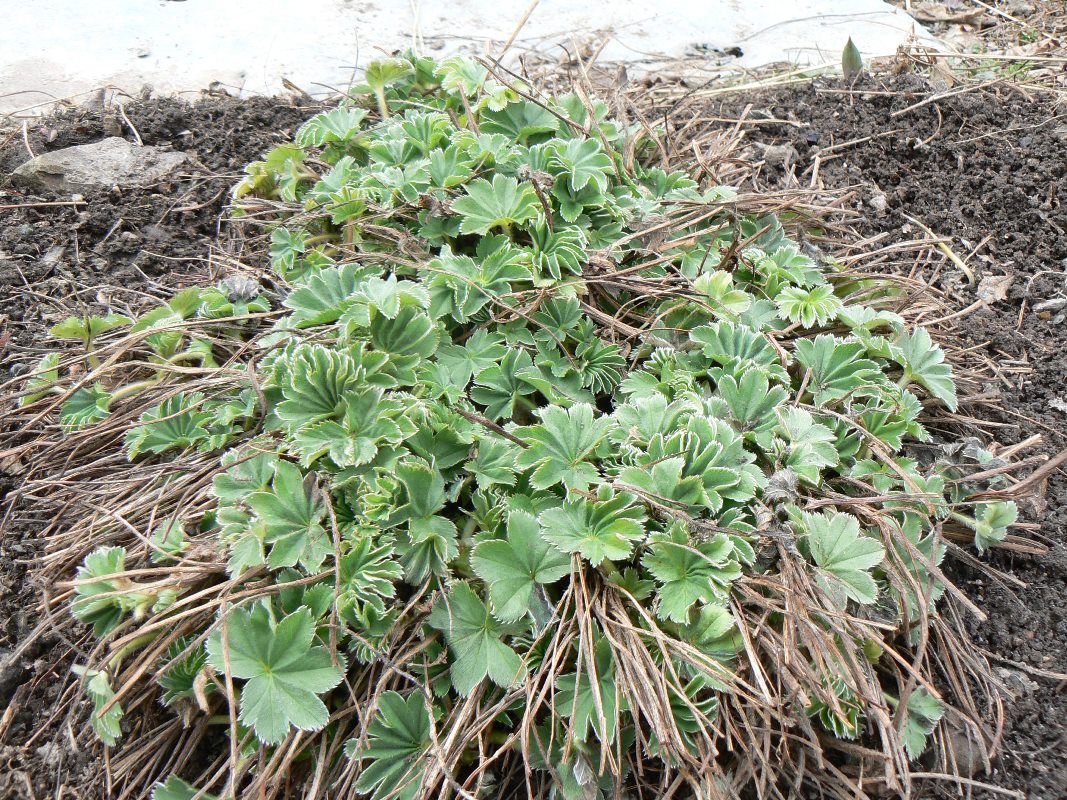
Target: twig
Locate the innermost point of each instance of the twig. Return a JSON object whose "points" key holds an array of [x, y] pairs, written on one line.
{"points": [[488, 423], [136, 135], [8, 206], [944, 248]]}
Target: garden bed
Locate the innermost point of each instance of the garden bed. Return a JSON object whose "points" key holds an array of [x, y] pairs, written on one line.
{"points": [[975, 165]]}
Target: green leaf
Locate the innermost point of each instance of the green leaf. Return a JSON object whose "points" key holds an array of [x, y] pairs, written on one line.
{"points": [[590, 697], [397, 738], [338, 125], [836, 367], [369, 423], [385, 71], [103, 594], [519, 121], [560, 446], [808, 307], [718, 292], [558, 251], [665, 484], [449, 167], [85, 406], [923, 712], [178, 423], [41, 380], [811, 445], [106, 723], [715, 632], [168, 540], [174, 788], [992, 521], [292, 517], [323, 296], [494, 463], [85, 329], [285, 246], [737, 348], [367, 575], [515, 566], [923, 363], [316, 380], [425, 489], [840, 716], [284, 670], [584, 162], [499, 204], [500, 388], [410, 333], [474, 638], [752, 400], [689, 572], [844, 556], [851, 61], [599, 529]]}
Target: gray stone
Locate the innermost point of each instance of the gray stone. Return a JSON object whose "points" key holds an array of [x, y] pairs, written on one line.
{"points": [[102, 165]]}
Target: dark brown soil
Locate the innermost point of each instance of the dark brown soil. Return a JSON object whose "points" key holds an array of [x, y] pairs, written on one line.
{"points": [[119, 248], [986, 170], [977, 165]]}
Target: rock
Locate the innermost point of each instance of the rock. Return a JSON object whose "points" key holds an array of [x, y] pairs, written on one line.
{"points": [[11, 674], [969, 754], [1055, 304], [1017, 683], [102, 165], [779, 154], [994, 288], [878, 201]]}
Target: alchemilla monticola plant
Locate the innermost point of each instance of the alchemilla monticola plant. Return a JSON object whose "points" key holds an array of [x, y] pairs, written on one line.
{"points": [[529, 466]]}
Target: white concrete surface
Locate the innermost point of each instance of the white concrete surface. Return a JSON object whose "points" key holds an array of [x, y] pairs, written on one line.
{"points": [[56, 48]]}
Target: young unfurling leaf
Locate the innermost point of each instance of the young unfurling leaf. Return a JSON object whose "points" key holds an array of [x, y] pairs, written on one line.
{"points": [[558, 251], [335, 126], [809, 307], [836, 367], [991, 522]]}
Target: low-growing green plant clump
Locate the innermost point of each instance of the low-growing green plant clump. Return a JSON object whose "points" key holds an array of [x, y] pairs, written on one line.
{"points": [[530, 466]]}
